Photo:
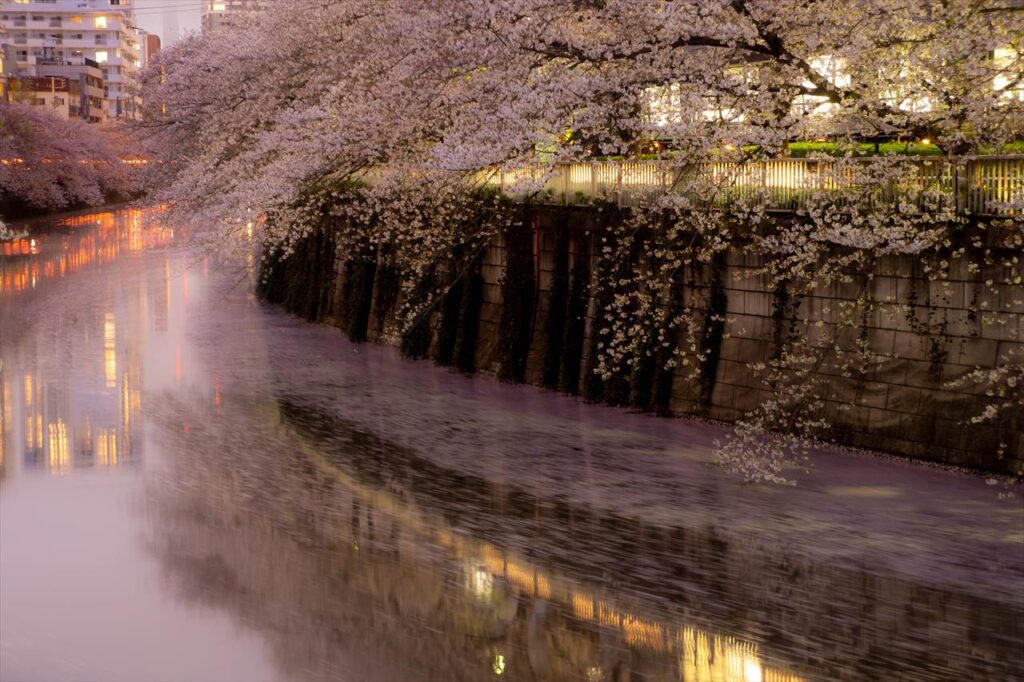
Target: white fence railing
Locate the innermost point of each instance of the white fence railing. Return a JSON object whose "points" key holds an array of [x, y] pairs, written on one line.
{"points": [[982, 186]]}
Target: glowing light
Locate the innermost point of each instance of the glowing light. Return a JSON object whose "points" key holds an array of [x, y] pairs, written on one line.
{"points": [[479, 581], [110, 350], [106, 449], [60, 453], [1003, 59], [499, 664]]}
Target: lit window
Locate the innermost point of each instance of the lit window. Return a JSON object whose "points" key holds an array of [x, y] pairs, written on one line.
{"points": [[102, 56], [101, 22], [1005, 59]]}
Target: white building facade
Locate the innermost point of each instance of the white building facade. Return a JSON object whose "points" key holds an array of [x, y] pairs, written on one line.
{"points": [[67, 32], [219, 13]]}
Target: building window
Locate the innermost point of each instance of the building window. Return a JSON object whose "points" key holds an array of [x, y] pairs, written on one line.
{"points": [[1008, 79]]}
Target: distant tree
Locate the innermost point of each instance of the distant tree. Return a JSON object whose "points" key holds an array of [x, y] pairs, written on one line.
{"points": [[47, 162]]}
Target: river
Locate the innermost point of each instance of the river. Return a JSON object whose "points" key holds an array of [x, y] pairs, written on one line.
{"points": [[197, 486]]}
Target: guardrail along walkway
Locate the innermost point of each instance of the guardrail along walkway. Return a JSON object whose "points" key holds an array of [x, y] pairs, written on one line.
{"points": [[981, 186]]}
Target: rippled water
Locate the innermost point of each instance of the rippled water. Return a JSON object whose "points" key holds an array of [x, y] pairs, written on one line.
{"points": [[195, 486]]}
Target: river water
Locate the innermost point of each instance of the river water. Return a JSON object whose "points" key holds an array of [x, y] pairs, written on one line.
{"points": [[196, 486]]}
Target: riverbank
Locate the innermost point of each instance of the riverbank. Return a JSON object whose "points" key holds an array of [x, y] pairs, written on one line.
{"points": [[526, 309]]}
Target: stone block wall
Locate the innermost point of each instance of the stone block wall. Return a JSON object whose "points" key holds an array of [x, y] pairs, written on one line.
{"points": [[906, 405], [929, 333]]}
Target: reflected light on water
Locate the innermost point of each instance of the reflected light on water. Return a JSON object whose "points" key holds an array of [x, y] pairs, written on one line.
{"points": [[489, 571], [83, 241], [106, 449], [54, 421], [334, 523], [59, 454], [110, 349], [5, 401]]}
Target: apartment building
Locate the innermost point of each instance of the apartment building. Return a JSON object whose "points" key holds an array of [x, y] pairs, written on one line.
{"points": [[5, 65], [219, 13], [41, 34], [151, 43], [86, 79]]}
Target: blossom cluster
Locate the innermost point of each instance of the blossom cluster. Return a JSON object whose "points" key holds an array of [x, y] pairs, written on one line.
{"points": [[50, 163], [380, 119]]}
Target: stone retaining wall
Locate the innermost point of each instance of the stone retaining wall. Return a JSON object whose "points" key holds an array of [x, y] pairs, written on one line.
{"points": [[930, 333]]}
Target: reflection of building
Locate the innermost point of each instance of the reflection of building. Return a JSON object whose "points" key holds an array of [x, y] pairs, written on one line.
{"points": [[26, 262], [5, 420], [60, 422], [91, 417]]}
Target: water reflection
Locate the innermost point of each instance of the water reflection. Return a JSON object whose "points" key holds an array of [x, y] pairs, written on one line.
{"points": [[80, 242], [92, 319], [368, 550], [57, 419], [359, 517], [57, 414]]}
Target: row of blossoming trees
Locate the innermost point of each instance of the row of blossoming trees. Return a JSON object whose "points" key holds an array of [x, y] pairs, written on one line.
{"points": [[380, 117], [48, 163]]}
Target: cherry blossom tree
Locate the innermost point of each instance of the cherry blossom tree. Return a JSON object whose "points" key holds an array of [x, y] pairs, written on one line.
{"points": [[49, 163], [381, 118]]}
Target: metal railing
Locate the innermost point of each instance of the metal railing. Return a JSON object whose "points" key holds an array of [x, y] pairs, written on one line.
{"points": [[980, 186]]}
